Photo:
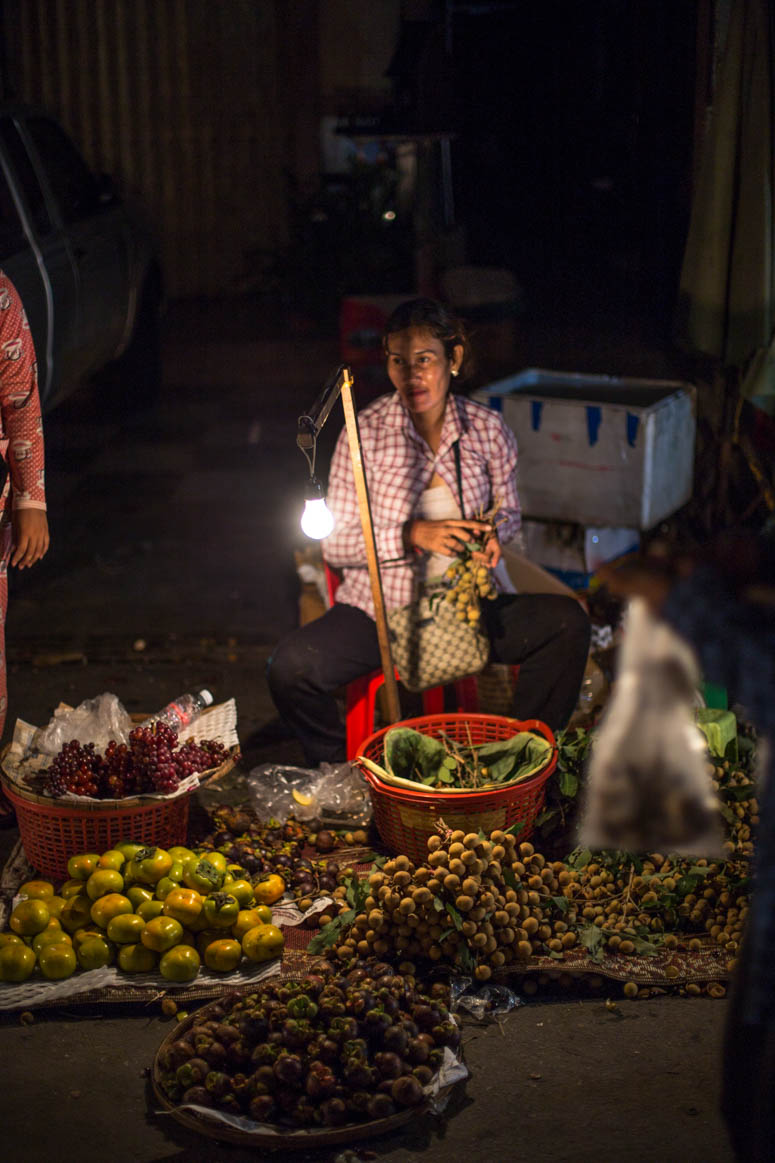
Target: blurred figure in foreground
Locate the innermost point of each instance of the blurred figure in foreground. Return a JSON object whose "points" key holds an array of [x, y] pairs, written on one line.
{"points": [[722, 602]]}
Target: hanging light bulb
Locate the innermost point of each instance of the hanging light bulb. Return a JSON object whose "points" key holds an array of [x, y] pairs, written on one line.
{"points": [[316, 520]]}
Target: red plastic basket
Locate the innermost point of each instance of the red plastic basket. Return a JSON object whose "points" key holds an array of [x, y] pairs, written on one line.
{"points": [[405, 819], [51, 833]]}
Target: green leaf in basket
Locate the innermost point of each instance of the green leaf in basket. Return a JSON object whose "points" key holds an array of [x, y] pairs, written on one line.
{"points": [[408, 751], [516, 758]]}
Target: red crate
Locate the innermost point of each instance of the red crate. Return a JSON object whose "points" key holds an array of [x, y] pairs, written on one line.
{"points": [[52, 832]]}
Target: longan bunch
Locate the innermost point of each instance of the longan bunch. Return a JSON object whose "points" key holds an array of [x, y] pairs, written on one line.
{"points": [[466, 585], [457, 907], [732, 784], [625, 904]]}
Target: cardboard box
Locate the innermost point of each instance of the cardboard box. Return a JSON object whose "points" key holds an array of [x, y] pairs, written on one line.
{"points": [[602, 451]]}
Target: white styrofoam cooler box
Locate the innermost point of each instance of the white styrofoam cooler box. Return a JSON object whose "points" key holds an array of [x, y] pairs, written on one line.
{"points": [[572, 552], [599, 450]]}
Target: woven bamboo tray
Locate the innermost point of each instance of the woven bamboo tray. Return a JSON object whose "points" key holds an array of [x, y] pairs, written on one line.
{"points": [[219, 1126]]}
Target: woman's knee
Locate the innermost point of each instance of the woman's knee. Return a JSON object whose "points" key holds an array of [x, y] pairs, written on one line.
{"points": [[285, 671]]}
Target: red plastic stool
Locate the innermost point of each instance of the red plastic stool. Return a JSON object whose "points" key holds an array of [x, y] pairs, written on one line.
{"points": [[361, 695]]}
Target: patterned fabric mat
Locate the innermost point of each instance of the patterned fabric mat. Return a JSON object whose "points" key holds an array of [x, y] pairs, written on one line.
{"points": [[666, 968]]}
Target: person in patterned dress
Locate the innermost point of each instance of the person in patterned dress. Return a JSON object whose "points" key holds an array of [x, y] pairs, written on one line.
{"points": [[433, 459], [24, 537]]}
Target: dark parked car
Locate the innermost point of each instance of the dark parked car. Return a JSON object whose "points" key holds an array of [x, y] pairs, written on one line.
{"points": [[82, 260]]}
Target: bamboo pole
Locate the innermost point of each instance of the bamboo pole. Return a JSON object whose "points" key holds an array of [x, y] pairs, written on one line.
{"points": [[364, 507]]}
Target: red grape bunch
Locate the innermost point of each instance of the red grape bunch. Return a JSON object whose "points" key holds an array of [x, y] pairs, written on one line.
{"points": [[152, 761]]}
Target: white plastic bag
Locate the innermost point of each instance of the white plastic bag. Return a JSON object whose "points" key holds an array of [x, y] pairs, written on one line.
{"points": [[334, 792], [648, 788], [96, 720]]}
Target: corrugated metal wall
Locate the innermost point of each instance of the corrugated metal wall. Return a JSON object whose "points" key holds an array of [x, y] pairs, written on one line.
{"points": [[183, 101]]}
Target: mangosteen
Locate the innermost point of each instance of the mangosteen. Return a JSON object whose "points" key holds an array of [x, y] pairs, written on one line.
{"points": [[423, 1074], [358, 1074], [296, 1032], [191, 1073], [264, 1077], [388, 1064], [377, 1021], [382, 969], [237, 1053], [265, 1054], [334, 1112], [320, 1082], [178, 1053], [303, 1113], [288, 1069], [407, 1091], [225, 1032], [446, 1034], [328, 1051], [217, 1083], [396, 1039], [241, 1086], [417, 1051], [355, 1048], [262, 1108], [325, 841], [198, 1096], [215, 1054], [254, 1027], [380, 1106]]}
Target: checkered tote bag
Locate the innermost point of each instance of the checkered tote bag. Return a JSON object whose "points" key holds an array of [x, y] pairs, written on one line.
{"points": [[430, 644]]}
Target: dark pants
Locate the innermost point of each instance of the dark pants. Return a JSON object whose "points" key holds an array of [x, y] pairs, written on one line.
{"points": [[546, 634]]}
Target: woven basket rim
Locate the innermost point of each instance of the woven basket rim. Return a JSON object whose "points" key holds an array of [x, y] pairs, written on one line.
{"points": [[463, 798], [511, 791]]}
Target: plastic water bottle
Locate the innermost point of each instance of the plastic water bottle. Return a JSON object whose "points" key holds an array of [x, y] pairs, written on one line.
{"points": [[182, 710]]}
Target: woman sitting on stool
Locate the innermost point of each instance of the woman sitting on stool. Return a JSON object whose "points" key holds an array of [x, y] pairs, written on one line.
{"points": [[413, 440]]}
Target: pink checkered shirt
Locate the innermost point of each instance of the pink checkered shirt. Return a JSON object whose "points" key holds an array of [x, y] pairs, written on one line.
{"points": [[399, 466]]}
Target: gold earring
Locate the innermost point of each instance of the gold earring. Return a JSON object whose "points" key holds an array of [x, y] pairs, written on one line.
{"points": [[454, 371]]}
